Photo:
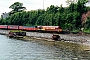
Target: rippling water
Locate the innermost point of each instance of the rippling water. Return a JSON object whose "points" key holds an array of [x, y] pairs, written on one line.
{"points": [[12, 49]]}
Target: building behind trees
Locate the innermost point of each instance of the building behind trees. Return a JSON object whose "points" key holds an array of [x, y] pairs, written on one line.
{"points": [[4, 15]]}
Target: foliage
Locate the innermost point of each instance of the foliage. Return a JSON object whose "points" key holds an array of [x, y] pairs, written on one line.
{"points": [[66, 17], [17, 7], [87, 30]]}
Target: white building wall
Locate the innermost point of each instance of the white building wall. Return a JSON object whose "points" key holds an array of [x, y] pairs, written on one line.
{"points": [[4, 15]]}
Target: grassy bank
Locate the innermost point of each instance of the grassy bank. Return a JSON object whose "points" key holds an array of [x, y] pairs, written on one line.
{"points": [[86, 31]]}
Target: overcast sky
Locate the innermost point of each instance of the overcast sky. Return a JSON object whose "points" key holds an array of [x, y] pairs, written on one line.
{"points": [[30, 4]]}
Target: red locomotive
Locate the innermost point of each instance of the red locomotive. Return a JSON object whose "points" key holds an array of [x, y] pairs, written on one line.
{"points": [[50, 28], [33, 28]]}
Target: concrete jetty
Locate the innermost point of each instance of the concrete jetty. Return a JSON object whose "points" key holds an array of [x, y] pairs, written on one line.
{"points": [[4, 32]]}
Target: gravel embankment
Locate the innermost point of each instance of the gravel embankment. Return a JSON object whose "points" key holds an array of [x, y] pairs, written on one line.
{"points": [[85, 40], [72, 38], [65, 37]]}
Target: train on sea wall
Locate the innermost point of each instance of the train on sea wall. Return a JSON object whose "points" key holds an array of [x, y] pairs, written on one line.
{"points": [[57, 29]]}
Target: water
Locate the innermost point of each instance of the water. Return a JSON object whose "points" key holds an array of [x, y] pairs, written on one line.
{"points": [[12, 49]]}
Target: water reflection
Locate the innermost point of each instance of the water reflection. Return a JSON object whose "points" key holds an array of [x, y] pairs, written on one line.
{"points": [[12, 49]]}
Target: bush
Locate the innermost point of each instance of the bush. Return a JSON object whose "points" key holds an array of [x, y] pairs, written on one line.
{"points": [[87, 31]]}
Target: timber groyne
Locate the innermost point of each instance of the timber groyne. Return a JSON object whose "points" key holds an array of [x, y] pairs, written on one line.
{"points": [[73, 38]]}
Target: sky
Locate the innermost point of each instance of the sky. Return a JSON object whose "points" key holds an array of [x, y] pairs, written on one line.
{"points": [[30, 4]]}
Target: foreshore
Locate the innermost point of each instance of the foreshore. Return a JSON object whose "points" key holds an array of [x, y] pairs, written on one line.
{"points": [[72, 38]]}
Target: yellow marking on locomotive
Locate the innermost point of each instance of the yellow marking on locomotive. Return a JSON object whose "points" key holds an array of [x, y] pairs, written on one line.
{"points": [[60, 30], [42, 29]]}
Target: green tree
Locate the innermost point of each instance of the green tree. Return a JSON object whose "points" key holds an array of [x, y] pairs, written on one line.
{"points": [[61, 9], [17, 7], [70, 2], [52, 9], [66, 17]]}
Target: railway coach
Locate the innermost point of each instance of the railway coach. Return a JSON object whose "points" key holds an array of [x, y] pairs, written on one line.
{"points": [[29, 28], [3, 26]]}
